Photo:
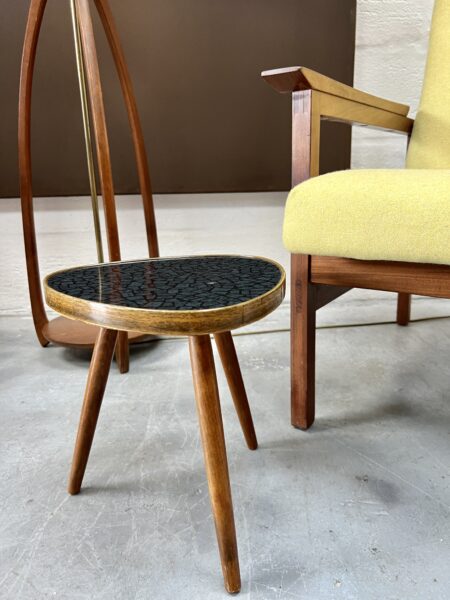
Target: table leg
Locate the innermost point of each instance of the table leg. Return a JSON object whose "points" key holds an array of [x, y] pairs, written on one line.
{"points": [[211, 427], [230, 363], [123, 352], [93, 396]]}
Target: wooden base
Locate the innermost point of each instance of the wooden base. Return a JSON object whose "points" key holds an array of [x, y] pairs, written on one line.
{"points": [[75, 334]]}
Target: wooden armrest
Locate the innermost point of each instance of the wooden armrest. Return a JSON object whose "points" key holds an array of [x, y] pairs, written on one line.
{"points": [[335, 101], [295, 79]]}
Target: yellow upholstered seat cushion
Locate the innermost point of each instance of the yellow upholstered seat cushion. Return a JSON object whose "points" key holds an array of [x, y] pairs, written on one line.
{"points": [[375, 214]]}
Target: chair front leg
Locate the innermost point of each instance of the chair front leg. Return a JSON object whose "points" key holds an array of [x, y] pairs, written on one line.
{"points": [[303, 342], [95, 389], [211, 427]]}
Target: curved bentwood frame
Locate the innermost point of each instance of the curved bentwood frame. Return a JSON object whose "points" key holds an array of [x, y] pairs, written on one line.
{"points": [[61, 331]]}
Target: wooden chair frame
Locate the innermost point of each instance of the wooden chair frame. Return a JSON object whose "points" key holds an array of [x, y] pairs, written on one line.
{"points": [[318, 280], [60, 330]]}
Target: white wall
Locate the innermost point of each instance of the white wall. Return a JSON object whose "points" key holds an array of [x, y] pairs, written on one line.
{"points": [[391, 46]]}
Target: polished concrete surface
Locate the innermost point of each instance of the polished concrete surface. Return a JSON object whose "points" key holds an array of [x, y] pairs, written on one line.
{"points": [[357, 508]]}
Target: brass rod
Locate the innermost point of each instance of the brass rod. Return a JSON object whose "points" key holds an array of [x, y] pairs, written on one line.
{"points": [[87, 130]]}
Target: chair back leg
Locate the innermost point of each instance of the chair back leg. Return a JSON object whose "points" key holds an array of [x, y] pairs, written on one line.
{"points": [[403, 309]]}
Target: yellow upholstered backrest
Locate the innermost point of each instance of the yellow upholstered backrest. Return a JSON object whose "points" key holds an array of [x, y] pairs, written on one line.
{"points": [[430, 141]]}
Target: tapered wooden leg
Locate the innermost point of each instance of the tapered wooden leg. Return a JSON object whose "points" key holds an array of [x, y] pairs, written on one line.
{"points": [[303, 343], [403, 309], [210, 418], [95, 388], [230, 362], [123, 352]]}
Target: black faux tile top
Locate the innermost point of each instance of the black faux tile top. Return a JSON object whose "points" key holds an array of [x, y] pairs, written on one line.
{"points": [[191, 283]]}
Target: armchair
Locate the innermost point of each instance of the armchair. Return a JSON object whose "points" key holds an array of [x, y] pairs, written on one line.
{"points": [[377, 229]]}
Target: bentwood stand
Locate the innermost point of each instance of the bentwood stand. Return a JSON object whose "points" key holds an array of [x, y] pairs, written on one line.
{"points": [[62, 331]]}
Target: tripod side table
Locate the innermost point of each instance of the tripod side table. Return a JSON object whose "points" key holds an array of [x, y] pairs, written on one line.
{"points": [[192, 296]]}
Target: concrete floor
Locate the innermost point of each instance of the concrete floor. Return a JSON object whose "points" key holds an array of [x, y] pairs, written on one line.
{"points": [[357, 508]]}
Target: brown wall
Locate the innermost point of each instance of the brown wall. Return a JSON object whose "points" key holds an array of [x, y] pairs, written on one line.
{"points": [[210, 122]]}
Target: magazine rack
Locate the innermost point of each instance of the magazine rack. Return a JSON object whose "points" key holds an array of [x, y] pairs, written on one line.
{"points": [[62, 331]]}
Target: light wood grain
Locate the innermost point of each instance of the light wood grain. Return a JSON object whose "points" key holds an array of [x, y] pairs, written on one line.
{"points": [[343, 110], [294, 79]]}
